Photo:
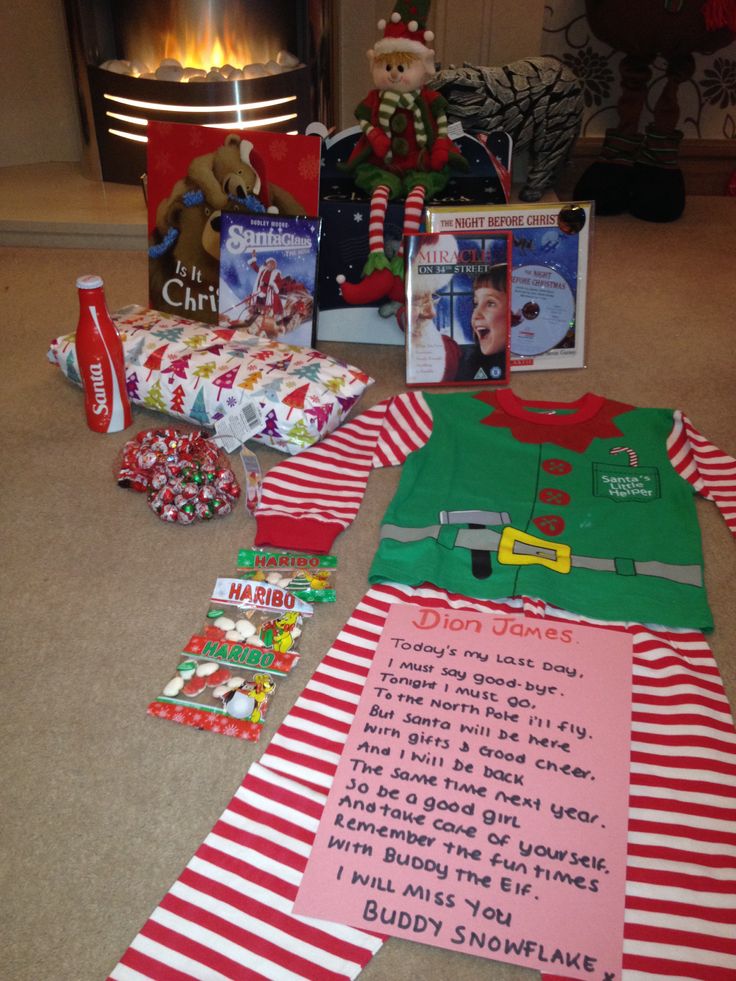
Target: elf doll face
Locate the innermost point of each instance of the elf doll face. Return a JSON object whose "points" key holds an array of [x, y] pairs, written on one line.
{"points": [[397, 72]]}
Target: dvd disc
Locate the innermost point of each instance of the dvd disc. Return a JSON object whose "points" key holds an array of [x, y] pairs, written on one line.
{"points": [[542, 309]]}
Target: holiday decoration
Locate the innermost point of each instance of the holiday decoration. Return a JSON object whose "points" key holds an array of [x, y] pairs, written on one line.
{"points": [[537, 101], [184, 475], [404, 150], [639, 172]]}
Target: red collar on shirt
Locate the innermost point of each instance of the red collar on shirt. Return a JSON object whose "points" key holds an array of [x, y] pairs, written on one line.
{"points": [[590, 417]]}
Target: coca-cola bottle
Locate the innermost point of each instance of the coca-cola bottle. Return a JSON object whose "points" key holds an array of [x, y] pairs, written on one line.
{"points": [[101, 361]]}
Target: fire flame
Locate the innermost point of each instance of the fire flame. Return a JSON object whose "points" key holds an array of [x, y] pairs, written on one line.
{"points": [[199, 40]]}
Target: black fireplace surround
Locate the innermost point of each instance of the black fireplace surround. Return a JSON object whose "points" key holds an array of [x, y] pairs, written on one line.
{"points": [[114, 107]]}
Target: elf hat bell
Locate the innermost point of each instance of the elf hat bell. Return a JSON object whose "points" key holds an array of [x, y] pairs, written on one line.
{"points": [[405, 31]]}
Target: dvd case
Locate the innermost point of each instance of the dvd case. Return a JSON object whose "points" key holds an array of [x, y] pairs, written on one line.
{"points": [[458, 288], [550, 249], [268, 275]]}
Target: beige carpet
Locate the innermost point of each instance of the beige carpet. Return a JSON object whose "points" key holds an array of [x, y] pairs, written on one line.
{"points": [[103, 806]]}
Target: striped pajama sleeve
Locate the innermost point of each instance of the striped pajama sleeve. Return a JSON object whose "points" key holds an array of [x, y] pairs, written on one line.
{"points": [[711, 472], [312, 497]]}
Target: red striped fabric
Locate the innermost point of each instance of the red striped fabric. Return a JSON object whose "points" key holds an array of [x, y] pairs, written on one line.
{"points": [[229, 915], [711, 471]]}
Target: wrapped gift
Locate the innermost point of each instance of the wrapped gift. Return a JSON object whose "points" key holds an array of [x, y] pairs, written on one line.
{"points": [[204, 374]]}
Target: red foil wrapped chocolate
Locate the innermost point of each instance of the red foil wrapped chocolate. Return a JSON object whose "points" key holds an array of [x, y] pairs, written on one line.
{"points": [[183, 474]]}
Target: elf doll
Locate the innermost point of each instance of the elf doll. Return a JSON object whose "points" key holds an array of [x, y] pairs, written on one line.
{"points": [[404, 150]]}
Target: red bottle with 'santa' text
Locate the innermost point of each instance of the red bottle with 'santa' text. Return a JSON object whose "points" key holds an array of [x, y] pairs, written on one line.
{"points": [[101, 361]]}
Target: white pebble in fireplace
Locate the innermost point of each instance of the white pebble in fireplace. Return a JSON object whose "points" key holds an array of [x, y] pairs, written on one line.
{"points": [[172, 70]]}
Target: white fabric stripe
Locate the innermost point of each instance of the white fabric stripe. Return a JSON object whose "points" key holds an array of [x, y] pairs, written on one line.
{"points": [[253, 857], [671, 894], [682, 868], [713, 799], [685, 708], [342, 497], [299, 746], [343, 696], [261, 830], [261, 894], [683, 843], [354, 639], [680, 689], [122, 972], [314, 729], [698, 752], [707, 777], [221, 945], [687, 730], [265, 930], [673, 817], [644, 635], [351, 677], [263, 773], [313, 706], [172, 958], [671, 670], [269, 808], [337, 490], [673, 952], [669, 921], [297, 771], [349, 658]]}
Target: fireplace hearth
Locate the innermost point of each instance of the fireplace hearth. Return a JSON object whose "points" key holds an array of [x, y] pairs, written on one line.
{"points": [[257, 64]]}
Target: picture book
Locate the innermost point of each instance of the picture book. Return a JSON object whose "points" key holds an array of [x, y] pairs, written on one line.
{"points": [[195, 174], [457, 308], [550, 247], [268, 274]]}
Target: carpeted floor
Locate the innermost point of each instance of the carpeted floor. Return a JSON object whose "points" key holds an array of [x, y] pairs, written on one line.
{"points": [[103, 806]]}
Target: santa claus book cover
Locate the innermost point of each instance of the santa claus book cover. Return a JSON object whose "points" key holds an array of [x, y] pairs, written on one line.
{"points": [[195, 175], [268, 276]]}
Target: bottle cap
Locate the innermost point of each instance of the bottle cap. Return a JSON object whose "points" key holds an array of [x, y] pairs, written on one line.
{"points": [[89, 282]]}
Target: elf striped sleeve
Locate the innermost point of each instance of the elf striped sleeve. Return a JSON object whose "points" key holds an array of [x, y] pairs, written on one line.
{"points": [[711, 472], [312, 497]]}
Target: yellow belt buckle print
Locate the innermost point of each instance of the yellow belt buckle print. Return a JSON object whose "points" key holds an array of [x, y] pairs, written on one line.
{"points": [[536, 551]]}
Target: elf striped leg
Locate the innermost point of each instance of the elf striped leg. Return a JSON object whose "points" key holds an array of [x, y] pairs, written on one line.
{"points": [[413, 213], [379, 206], [377, 276], [412, 220]]}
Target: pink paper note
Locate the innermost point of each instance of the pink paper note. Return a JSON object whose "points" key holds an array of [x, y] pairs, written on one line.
{"points": [[481, 801]]}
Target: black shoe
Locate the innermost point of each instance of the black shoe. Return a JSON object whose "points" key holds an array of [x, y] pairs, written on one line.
{"points": [[609, 185]]}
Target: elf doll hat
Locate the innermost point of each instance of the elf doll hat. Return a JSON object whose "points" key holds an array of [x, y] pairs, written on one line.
{"points": [[406, 31]]}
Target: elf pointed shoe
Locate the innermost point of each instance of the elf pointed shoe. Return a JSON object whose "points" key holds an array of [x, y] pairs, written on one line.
{"points": [[372, 288], [608, 181], [659, 187], [397, 291]]}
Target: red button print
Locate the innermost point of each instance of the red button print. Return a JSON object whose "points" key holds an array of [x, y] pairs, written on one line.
{"points": [[550, 524], [551, 495], [553, 465]]}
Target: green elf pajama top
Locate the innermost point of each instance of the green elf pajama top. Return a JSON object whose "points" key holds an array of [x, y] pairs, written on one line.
{"points": [[588, 506]]}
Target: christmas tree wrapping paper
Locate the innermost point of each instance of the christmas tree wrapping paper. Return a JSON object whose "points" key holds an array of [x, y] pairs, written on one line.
{"points": [[200, 373]]}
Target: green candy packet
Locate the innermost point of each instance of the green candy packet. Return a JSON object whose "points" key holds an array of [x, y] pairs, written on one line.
{"points": [[309, 577]]}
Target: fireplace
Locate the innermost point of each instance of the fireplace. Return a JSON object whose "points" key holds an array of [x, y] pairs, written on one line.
{"points": [[257, 64]]}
